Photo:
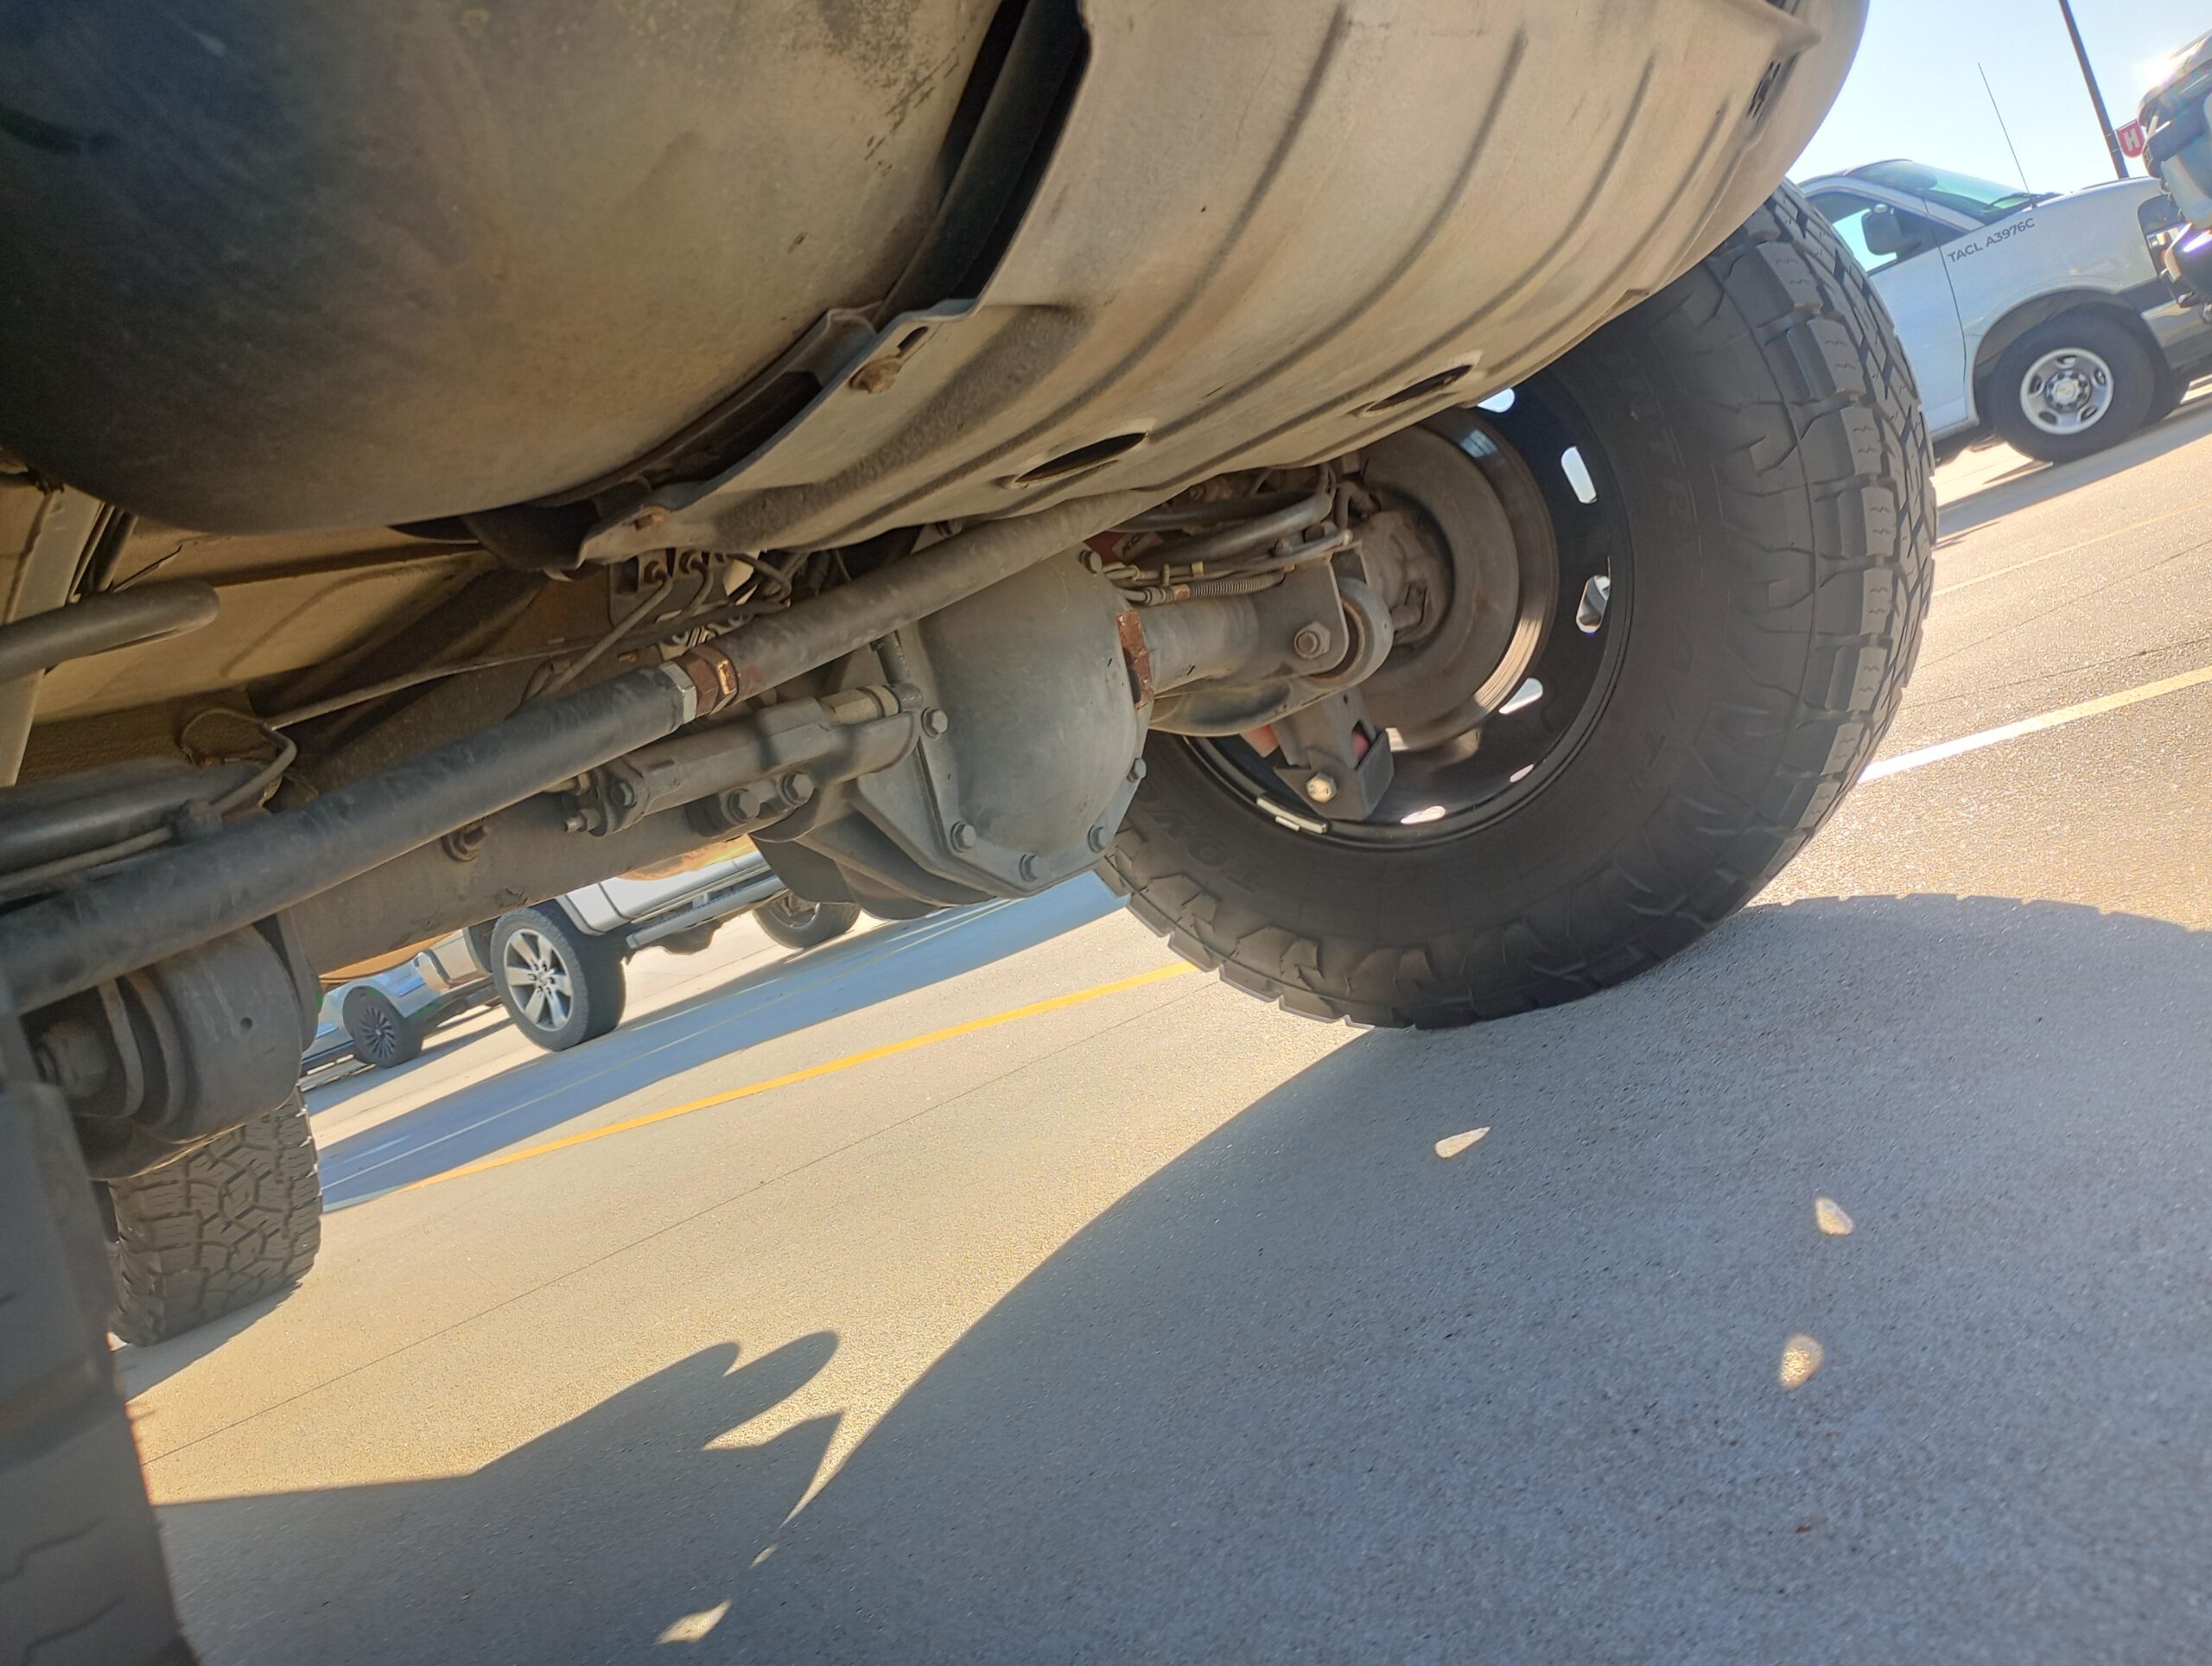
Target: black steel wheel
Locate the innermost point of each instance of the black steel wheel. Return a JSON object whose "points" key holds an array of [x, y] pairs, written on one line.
{"points": [[1702, 544]]}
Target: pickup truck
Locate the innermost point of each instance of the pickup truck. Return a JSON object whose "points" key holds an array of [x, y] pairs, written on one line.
{"points": [[451, 455], [2042, 319], [558, 967]]}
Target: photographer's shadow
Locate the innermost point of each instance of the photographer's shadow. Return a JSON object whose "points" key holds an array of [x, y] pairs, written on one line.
{"points": [[1313, 1393], [623, 1528]]}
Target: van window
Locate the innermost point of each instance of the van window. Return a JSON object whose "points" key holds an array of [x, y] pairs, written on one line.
{"points": [[1985, 200], [1848, 212]]}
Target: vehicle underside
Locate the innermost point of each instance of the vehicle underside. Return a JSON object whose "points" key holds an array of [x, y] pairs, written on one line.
{"points": [[1385, 484], [412, 531]]}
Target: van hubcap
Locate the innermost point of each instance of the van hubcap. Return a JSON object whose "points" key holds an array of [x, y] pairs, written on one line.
{"points": [[2066, 390]]}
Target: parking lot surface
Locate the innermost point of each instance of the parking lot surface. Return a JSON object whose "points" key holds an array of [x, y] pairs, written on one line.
{"points": [[992, 1288]]}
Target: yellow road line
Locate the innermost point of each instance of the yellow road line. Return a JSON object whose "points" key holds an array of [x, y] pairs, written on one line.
{"points": [[830, 1068], [2050, 720], [2072, 548]]}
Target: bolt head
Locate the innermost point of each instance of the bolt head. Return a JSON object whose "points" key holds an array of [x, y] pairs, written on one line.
{"points": [[1321, 789], [1100, 838], [1029, 867], [934, 720], [650, 517], [1136, 770], [964, 836], [799, 787], [874, 377], [1310, 642], [623, 793]]}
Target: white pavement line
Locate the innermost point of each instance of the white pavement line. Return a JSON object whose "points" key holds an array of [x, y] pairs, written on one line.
{"points": [[2050, 720]]}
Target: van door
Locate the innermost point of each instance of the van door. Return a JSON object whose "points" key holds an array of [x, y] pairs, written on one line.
{"points": [[1898, 247]]}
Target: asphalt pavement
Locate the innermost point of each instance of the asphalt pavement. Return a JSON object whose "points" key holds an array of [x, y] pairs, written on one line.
{"points": [[991, 1288]]}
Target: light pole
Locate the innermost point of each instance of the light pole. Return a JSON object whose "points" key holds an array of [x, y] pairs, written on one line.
{"points": [[2089, 80]]}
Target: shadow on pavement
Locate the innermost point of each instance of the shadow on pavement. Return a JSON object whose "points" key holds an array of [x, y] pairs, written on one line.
{"points": [[524, 1560], [1312, 1393], [827, 983], [142, 1366], [2039, 483], [332, 1085]]}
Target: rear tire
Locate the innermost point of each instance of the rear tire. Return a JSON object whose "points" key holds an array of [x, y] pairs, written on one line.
{"points": [[1756, 471], [383, 1035], [226, 1225], [81, 1579], [797, 923], [562, 987], [2097, 354]]}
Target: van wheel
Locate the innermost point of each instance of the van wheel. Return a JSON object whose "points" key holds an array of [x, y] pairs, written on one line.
{"points": [[563, 987], [1720, 503], [2072, 387]]}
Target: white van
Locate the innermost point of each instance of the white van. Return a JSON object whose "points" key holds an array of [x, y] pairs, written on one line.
{"points": [[2041, 318]]}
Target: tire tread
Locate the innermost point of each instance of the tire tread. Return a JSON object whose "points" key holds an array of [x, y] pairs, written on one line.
{"points": [[1847, 440], [231, 1221]]}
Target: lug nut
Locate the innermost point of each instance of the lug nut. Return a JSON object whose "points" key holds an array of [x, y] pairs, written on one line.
{"points": [[934, 722], [1311, 641], [1321, 789], [964, 836]]}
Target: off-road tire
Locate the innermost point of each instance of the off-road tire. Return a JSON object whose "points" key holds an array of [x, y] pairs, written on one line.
{"points": [[226, 1225], [2136, 386], [798, 924], [81, 1579], [1760, 422], [600, 988], [385, 1037]]}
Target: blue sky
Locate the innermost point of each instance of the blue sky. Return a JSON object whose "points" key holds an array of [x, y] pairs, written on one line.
{"points": [[1914, 92]]}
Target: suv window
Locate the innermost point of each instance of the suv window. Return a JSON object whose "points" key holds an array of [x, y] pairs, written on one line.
{"points": [[1877, 235]]}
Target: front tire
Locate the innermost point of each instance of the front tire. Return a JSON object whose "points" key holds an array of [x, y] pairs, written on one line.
{"points": [[229, 1223], [797, 923], [2072, 387], [1743, 461], [562, 987]]}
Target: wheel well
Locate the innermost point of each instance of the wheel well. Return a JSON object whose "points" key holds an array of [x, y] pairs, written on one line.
{"points": [[2031, 315], [356, 996]]}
